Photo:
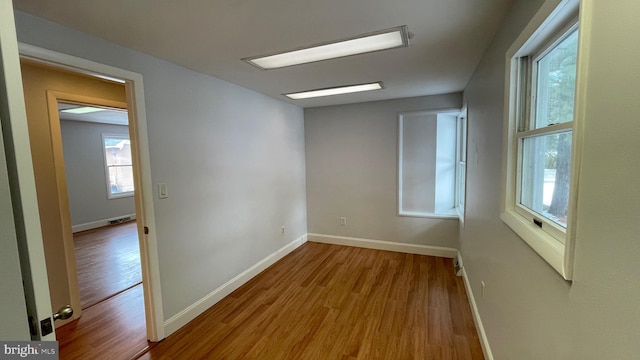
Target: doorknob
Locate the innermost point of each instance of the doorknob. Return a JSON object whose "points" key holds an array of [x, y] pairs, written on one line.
{"points": [[63, 313]]}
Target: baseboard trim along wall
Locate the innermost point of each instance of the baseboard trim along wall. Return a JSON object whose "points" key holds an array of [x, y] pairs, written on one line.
{"points": [[99, 223], [182, 318], [484, 342], [385, 245]]}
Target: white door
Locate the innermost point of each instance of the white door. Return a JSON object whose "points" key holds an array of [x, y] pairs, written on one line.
{"points": [[13, 310], [21, 208]]}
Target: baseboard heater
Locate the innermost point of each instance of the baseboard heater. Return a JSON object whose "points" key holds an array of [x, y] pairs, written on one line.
{"points": [[120, 220]]}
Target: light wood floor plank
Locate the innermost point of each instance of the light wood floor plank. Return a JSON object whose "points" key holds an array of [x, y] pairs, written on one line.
{"points": [[334, 302], [112, 325], [107, 261], [112, 329]]}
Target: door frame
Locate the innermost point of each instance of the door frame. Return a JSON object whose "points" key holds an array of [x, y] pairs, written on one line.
{"points": [[134, 86], [55, 131]]}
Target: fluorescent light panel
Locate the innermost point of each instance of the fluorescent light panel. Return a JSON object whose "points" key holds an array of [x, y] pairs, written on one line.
{"points": [[82, 110], [380, 40], [335, 91]]}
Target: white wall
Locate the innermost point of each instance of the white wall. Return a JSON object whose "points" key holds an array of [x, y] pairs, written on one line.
{"points": [[86, 179], [352, 171], [233, 160], [528, 310]]}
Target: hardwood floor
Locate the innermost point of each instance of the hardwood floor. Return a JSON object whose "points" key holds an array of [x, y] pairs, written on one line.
{"points": [[112, 329], [107, 261], [334, 302], [112, 325]]}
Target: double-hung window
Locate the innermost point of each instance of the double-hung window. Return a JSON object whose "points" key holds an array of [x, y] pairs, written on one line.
{"points": [[540, 138], [118, 165]]}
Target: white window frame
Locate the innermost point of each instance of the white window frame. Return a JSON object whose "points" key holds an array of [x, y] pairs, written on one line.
{"points": [[461, 164], [111, 195], [552, 242]]}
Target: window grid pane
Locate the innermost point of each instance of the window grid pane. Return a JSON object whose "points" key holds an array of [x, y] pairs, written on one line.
{"points": [[546, 166], [120, 179], [117, 150], [556, 83]]}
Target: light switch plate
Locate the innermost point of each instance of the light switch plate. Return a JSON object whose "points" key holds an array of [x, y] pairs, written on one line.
{"points": [[163, 192]]}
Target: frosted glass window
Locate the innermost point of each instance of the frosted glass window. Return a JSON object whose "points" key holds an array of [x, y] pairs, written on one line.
{"points": [[427, 164]]}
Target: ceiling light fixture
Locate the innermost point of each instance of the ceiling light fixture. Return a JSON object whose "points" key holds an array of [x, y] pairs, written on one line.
{"points": [[335, 91], [376, 41], [82, 110]]}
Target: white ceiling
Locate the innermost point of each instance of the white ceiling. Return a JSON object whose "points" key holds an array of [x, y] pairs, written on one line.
{"points": [[211, 36]]}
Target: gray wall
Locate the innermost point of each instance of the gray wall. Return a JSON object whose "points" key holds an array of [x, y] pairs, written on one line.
{"points": [[233, 160], [352, 170], [528, 310], [86, 179]]}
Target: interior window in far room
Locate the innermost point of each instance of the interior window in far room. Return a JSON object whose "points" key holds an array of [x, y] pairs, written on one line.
{"points": [[118, 165]]}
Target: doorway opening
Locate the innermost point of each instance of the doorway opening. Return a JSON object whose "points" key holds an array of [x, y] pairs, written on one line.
{"points": [[149, 292], [83, 163], [100, 185]]}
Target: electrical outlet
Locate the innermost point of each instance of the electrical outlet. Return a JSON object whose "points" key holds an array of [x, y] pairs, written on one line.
{"points": [[343, 221]]}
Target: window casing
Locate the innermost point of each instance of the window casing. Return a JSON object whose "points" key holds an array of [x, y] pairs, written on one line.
{"points": [[118, 165], [544, 133], [540, 157], [461, 163]]}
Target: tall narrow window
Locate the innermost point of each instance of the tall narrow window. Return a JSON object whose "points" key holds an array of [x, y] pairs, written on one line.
{"points": [[461, 162], [540, 138], [118, 165]]}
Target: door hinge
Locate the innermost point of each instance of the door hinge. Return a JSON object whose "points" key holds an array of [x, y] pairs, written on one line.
{"points": [[146, 230]]}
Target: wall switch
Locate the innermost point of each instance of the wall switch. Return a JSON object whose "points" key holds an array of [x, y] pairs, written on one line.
{"points": [[163, 192], [343, 221]]}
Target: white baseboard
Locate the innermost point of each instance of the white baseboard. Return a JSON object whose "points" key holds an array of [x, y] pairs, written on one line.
{"points": [[99, 223], [385, 245], [484, 342], [182, 318]]}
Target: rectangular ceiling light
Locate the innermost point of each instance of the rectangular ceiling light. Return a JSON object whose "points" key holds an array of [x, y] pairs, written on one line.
{"points": [[82, 110], [379, 40], [335, 91]]}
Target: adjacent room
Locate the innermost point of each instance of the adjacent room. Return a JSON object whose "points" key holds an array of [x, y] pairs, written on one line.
{"points": [[416, 179]]}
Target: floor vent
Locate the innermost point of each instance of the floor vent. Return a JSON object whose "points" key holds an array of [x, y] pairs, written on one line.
{"points": [[119, 221]]}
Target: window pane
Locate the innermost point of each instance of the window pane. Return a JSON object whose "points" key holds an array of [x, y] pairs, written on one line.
{"points": [[462, 169], [418, 163], [544, 184], [556, 83], [120, 179], [117, 151]]}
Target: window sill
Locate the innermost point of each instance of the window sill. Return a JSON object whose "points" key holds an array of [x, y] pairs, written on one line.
{"points": [[452, 216], [548, 247], [120, 195]]}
